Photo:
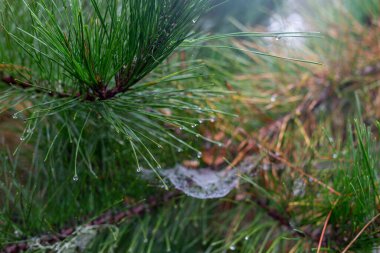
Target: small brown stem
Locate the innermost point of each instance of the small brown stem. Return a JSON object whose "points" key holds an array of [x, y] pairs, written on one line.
{"points": [[100, 93], [360, 233], [324, 231]]}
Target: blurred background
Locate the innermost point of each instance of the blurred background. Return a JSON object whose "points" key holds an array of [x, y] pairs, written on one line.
{"points": [[308, 115], [245, 12]]}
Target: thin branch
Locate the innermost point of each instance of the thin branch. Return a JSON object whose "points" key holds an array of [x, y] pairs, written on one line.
{"points": [[101, 94], [324, 231], [11, 81], [282, 219], [360, 233]]}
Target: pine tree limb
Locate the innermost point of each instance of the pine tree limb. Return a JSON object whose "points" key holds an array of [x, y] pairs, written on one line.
{"points": [[108, 218]]}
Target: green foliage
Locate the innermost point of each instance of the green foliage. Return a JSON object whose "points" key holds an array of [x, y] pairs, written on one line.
{"points": [[84, 54], [357, 181], [102, 45], [93, 92]]}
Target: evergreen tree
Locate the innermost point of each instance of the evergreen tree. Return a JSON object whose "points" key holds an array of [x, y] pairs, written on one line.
{"points": [[123, 130]]}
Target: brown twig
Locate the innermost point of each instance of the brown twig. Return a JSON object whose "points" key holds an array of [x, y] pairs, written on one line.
{"points": [[360, 233], [281, 219], [101, 93], [11, 81], [324, 231]]}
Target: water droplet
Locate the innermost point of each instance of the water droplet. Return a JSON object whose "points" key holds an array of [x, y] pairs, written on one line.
{"points": [[246, 238], [179, 150], [335, 156], [199, 154], [193, 125], [273, 98], [194, 21], [331, 139], [278, 37], [232, 247], [213, 119], [159, 167], [17, 233], [75, 178], [14, 116], [197, 135], [29, 130], [200, 121], [159, 146], [181, 128], [220, 144], [22, 138], [146, 240], [138, 170]]}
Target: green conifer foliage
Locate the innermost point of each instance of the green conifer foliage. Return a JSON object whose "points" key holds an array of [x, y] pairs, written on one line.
{"points": [[124, 130]]}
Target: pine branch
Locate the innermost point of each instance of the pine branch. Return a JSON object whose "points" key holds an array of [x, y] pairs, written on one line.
{"points": [[105, 47], [107, 218], [102, 94]]}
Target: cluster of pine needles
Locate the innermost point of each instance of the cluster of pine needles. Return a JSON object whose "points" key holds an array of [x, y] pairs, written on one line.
{"points": [[96, 93]]}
